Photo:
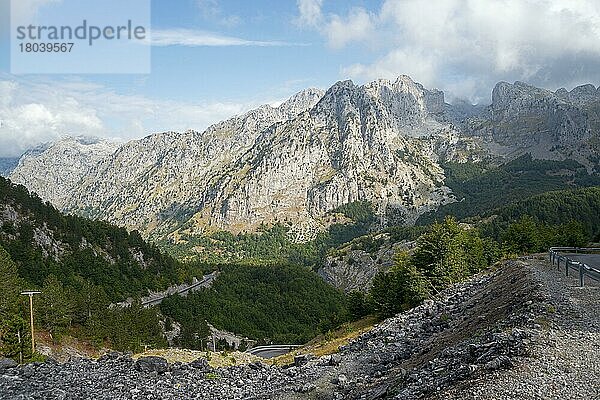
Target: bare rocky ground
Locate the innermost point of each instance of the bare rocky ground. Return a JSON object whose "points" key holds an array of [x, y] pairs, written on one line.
{"points": [[565, 360], [521, 331]]}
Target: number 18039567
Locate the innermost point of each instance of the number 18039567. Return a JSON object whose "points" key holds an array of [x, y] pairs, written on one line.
{"points": [[46, 47]]}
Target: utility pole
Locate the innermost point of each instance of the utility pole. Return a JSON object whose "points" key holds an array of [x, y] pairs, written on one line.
{"points": [[30, 293]]}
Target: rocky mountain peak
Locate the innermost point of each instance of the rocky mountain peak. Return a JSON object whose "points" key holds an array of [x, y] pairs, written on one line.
{"points": [[505, 94], [526, 119], [584, 90], [301, 101], [580, 94], [391, 104]]}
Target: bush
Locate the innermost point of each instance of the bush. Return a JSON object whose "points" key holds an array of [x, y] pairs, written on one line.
{"points": [[447, 254]]}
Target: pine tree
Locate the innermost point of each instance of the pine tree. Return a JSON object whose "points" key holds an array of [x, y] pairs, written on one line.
{"points": [[56, 307], [10, 284], [13, 332]]}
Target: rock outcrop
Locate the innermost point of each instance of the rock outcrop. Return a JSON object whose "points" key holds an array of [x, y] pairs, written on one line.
{"points": [[549, 125], [353, 267]]}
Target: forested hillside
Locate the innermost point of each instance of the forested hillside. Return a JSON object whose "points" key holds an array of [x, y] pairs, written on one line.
{"points": [[275, 243], [563, 217], [43, 242], [479, 190], [82, 266], [279, 303]]}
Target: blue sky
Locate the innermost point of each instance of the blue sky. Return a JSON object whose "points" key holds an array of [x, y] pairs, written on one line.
{"points": [[271, 49]]}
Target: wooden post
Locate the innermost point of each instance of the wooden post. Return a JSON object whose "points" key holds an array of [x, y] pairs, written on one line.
{"points": [[30, 293], [31, 318]]}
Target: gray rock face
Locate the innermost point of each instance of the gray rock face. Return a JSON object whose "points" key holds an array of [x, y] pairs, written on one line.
{"points": [[354, 266], [355, 144], [523, 118], [53, 170], [158, 181]]}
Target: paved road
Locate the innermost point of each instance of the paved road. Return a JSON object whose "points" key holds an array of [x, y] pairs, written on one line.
{"points": [[593, 260]]}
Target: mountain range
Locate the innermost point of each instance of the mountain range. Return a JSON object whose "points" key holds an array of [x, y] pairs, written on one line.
{"points": [[383, 142]]}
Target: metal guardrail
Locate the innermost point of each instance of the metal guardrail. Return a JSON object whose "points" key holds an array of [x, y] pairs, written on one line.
{"points": [[283, 347], [570, 264]]}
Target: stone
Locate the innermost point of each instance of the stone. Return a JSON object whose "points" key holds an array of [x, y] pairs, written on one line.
{"points": [[201, 364], [340, 380], [6, 363], [152, 364], [301, 360]]}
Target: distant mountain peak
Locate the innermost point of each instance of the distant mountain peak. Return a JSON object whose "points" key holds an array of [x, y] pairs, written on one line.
{"points": [[301, 101]]}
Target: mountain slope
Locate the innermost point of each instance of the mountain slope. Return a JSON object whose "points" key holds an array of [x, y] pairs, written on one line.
{"points": [[152, 182], [356, 144], [42, 241], [478, 190], [384, 142]]}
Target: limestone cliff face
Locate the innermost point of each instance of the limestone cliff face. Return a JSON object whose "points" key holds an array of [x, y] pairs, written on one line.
{"points": [[552, 125], [155, 183], [53, 170], [354, 266], [355, 144]]}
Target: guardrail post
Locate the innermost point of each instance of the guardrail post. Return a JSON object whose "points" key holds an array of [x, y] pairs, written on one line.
{"points": [[558, 262], [567, 262], [581, 272]]}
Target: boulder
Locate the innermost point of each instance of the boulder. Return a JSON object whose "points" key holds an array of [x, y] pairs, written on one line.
{"points": [[6, 363], [152, 364], [201, 364]]}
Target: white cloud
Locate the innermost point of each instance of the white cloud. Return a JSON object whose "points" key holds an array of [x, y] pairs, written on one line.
{"points": [[339, 30], [32, 113], [194, 38], [403, 61], [310, 13], [449, 43], [27, 10], [358, 25]]}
